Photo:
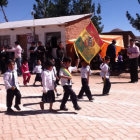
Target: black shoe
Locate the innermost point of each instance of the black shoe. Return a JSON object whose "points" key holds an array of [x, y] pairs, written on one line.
{"points": [[17, 107], [10, 110], [42, 105], [64, 108], [91, 100], [133, 81], [77, 108]]}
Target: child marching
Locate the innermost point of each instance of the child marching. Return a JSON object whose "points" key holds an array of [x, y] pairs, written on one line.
{"points": [[25, 71], [85, 72], [48, 86], [105, 75], [12, 87], [66, 82], [38, 71]]}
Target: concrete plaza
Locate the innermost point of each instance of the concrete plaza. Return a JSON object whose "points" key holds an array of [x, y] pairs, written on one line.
{"points": [[113, 117]]}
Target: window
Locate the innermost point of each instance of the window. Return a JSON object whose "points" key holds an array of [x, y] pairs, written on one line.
{"points": [[53, 38], [5, 41]]}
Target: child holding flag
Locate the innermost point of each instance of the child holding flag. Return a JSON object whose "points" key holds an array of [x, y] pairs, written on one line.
{"points": [[105, 75], [65, 76]]}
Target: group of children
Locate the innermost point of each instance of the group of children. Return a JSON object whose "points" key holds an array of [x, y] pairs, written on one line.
{"points": [[48, 76]]}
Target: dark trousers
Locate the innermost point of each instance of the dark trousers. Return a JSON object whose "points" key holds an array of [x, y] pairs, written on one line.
{"points": [[10, 95], [112, 63], [18, 61], [3, 66], [107, 86], [32, 63], [69, 92], [133, 66], [85, 88]]}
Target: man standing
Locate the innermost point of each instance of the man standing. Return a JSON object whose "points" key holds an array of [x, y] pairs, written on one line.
{"points": [[133, 54], [111, 52], [40, 52], [32, 56]]}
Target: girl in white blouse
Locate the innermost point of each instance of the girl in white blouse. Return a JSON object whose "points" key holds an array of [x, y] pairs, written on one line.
{"points": [[48, 86]]}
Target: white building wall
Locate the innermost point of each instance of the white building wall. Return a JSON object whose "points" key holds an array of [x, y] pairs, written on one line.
{"points": [[40, 31]]}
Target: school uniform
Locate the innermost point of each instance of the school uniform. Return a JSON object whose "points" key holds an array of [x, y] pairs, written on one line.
{"points": [[105, 76], [48, 87], [38, 71], [54, 72], [10, 80], [85, 87], [67, 86]]}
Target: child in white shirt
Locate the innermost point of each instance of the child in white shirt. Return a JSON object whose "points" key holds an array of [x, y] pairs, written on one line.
{"points": [[54, 72], [65, 76], [12, 87], [38, 71], [105, 75], [85, 72], [48, 86]]}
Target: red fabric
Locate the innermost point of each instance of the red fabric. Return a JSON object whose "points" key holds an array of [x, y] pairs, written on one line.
{"points": [[26, 76], [24, 67]]}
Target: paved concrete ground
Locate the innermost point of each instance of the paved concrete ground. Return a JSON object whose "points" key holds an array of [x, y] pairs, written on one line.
{"points": [[113, 117]]}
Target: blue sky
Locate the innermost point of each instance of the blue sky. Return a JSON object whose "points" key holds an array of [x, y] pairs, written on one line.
{"points": [[113, 12]]}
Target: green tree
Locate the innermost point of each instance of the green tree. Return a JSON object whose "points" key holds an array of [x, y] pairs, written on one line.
{"points": [[4, 3], [62, 7], [86, 6], [135, 22], [42, 8], [53, 8]]}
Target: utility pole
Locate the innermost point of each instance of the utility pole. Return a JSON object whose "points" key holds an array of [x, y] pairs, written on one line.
{"points": [[32, 13]]}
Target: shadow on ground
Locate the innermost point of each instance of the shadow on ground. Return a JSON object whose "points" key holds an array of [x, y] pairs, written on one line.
{"points": [[36, 112]]}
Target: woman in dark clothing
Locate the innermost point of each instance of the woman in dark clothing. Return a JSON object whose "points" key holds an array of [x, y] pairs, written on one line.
{"points": [[40, 52], [59, 60]]}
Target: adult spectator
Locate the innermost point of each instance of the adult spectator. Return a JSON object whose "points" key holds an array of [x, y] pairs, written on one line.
{"points": [[18, 55], [40, 52], [48, 52], [133, 54], [32, 61], [111, 52], [60, 57]]}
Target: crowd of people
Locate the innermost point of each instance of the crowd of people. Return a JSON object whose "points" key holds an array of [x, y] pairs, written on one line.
{"points": [[50, 71]]}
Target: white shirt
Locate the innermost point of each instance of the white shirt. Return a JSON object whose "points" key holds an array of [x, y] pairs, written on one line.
{"points": [[17, 50], [65, 81], [134, 52], [54, 72], [15, 66], [84, 71], [104, 70], [8, 79], [47, 81], [37, 69]]}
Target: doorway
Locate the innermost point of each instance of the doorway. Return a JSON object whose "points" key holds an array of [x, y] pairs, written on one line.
{"points": [[23, 43], [52, 39]]}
